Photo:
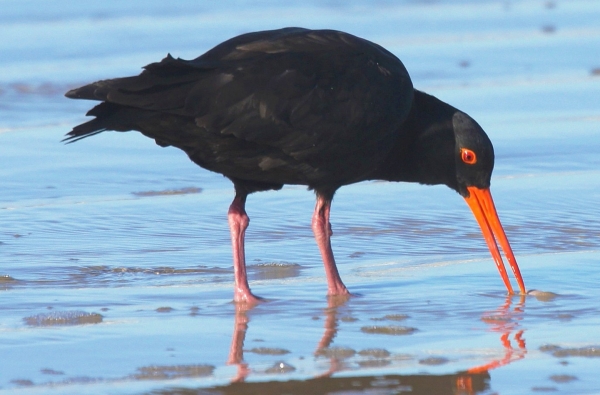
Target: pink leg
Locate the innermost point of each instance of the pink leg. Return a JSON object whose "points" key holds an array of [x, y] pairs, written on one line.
{"points": [[322, 230], [238, 222]]}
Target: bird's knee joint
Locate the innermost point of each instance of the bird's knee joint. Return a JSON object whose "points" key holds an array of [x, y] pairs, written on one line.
{"points": [[238, 219]]}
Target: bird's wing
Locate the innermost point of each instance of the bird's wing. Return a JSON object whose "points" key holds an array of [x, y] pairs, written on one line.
{"points": [[315, 95], [309, 93]]}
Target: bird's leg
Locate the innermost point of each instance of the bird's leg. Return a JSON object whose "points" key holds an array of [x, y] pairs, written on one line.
{"points": [[322, 231], [238, 222]]}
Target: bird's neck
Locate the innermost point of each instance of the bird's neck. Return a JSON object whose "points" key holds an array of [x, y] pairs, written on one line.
{"points": [[424, 151]]}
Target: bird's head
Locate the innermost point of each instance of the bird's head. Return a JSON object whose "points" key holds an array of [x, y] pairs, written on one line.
{"points": [[439, 144], [474, 155]]}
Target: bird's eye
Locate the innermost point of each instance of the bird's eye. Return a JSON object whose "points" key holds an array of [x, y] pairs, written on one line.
{"points": [[468, 156]]}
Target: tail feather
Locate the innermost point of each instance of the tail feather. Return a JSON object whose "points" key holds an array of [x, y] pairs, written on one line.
{"points": [[109, 116], [100, 90], [162, 76], [85, 92], [76, 135], [162, 87]]}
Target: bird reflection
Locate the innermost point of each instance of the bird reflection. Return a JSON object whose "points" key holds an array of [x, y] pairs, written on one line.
{"points": [[236, 351], [331, 328], [504, 320], [331, 320]]}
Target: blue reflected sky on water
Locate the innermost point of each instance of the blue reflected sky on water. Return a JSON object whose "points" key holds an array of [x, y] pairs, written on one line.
{"points": [[75, 237]]}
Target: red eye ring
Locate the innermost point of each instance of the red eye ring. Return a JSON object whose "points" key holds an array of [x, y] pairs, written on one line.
{"points": [[468, 156]]}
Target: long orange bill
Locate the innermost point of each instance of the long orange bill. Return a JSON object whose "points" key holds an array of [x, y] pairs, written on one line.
{"points": [[481, 203]]}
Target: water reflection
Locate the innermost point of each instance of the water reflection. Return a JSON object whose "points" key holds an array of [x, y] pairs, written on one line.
{"points": [[236, 351], [330, 331], [361, 368], [504, 320], [418, 384]]}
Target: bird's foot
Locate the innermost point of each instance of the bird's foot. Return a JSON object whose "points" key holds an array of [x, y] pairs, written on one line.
{"points": [[246, 297], [338, 290]]}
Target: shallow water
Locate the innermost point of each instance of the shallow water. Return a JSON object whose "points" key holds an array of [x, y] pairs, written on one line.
{"points": [[115, 265]]}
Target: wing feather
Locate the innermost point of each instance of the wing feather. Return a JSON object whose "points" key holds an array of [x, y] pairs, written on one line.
{"points": [[320, 98]]}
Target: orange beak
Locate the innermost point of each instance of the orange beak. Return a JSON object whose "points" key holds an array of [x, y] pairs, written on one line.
{"points": [[481, 203]]}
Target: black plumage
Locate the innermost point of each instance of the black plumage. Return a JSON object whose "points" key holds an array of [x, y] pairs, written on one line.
{"points": [[320, 108]]}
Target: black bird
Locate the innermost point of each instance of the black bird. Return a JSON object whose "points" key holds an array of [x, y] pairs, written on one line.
{"points": [[320, 108]]}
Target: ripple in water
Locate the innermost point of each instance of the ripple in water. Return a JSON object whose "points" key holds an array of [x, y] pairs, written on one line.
{"points": [[168, 192], [168, 372], [388, 330], [274, 270], [63, 318], [559, 352], [269, 351]]}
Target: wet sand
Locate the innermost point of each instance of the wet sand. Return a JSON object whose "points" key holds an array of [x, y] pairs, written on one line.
{"points": [[115, 265]]}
